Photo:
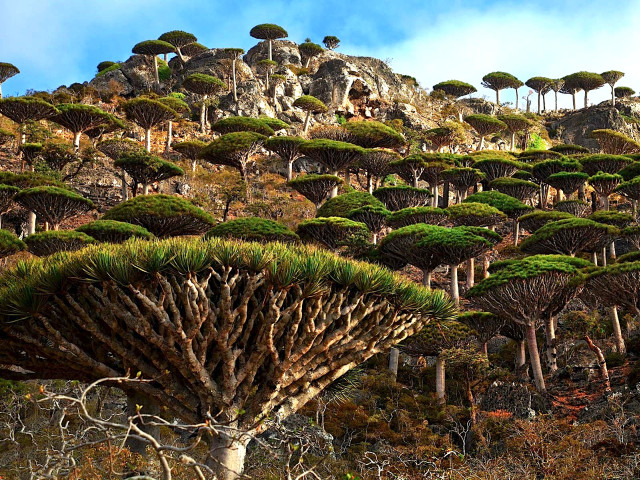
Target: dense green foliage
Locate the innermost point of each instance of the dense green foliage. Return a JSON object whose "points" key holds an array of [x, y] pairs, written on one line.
{"points": [[112, 231], [475, 214], [47, 243], [162, 215], [371, 134], [10, 244], [412, 215], [512, 207], [242, 124], [455, 88], [341, 205], [253, 229], [539, 218]]}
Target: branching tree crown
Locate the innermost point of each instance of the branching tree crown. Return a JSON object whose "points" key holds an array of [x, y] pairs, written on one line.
{"points": [[372, 134], [112, 231], [242, 124], [53, 204], [341, 205], [10, 244], [568, 237], [48, 243], [254, 229], [455, 88], [531, 222], [499, 81]]}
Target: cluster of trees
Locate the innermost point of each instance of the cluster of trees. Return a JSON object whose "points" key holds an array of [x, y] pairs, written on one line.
{"points": [[228, 325], [570, 84]]}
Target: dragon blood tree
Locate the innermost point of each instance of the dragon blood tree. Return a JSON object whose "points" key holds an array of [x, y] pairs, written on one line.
{"points": [[631, 190], [402, 196], [148, 113], [7, 192], [567, 182], [151, 49], [615, 143], [522, 190], [611, 77], [616, 285], [485, 326], [234, 150], [205, 86], [242, 124], [309, 104], [604, 185], [47, 243], [433, 341], [542, 170], [485, 125], [333, 155], [146, 169], [453, 246], [190, 150], [511, 207], [233, 54], [540, 85], [341, 205], [515, 124], [193, 49], [413, 215], [410, 168], [376, 164], [111, 231], [577, 208], [254, 229], [10, 244], [372, 134], [462, 179], [316, 188], [7, 70], [26, 109], [526, 293], [585, 81], [334, 233], [399, 248], [455, 88], [309, 50], [620, 220], [237, 331], [538, 154], [436, 164], [117, 148], [499, 81], [568, 237], [569, 149], [531, 222], [375, 218], [624, 92], [287, 148], [78, 118], [331, 42], [53, 204], [497, 167], [268, 32], [162, 215], [179, 40], [592, 164], [174, 102]]}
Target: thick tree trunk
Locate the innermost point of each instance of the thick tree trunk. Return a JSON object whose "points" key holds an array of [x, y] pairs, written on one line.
{"points": [[445, 194], [481, 143], [513, 141], [203, 109], [550, 336], [498, 97], [594, 258], [76, 141], [169, 136], [426, 278], [634, 209], [617, 331], [227, 454], [440, 382], [485, 265], [604, 256], [544, 103], [370, 183], [155, 70], [124, 191], [516, 232], [434, 199], [539, 103], [516, 98], [556, 96], [586, 98], [306, 122], [605, 202], [455, 295], [521, 354], [147, 140], [289, 171], [145, 189], [612, 250], [233, 77], [471, 267], [334, 190], [573, 95], [601, 362], [613, 96], [194, 164], [270, 49], [394, 360], [31, 223], [536, 368]]}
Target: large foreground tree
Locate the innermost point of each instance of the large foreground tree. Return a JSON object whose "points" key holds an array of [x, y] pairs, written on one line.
{"points": [[7, 70], [237, 331]]}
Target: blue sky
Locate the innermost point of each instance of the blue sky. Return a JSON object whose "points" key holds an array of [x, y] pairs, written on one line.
{"points": [[60, 42]]}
